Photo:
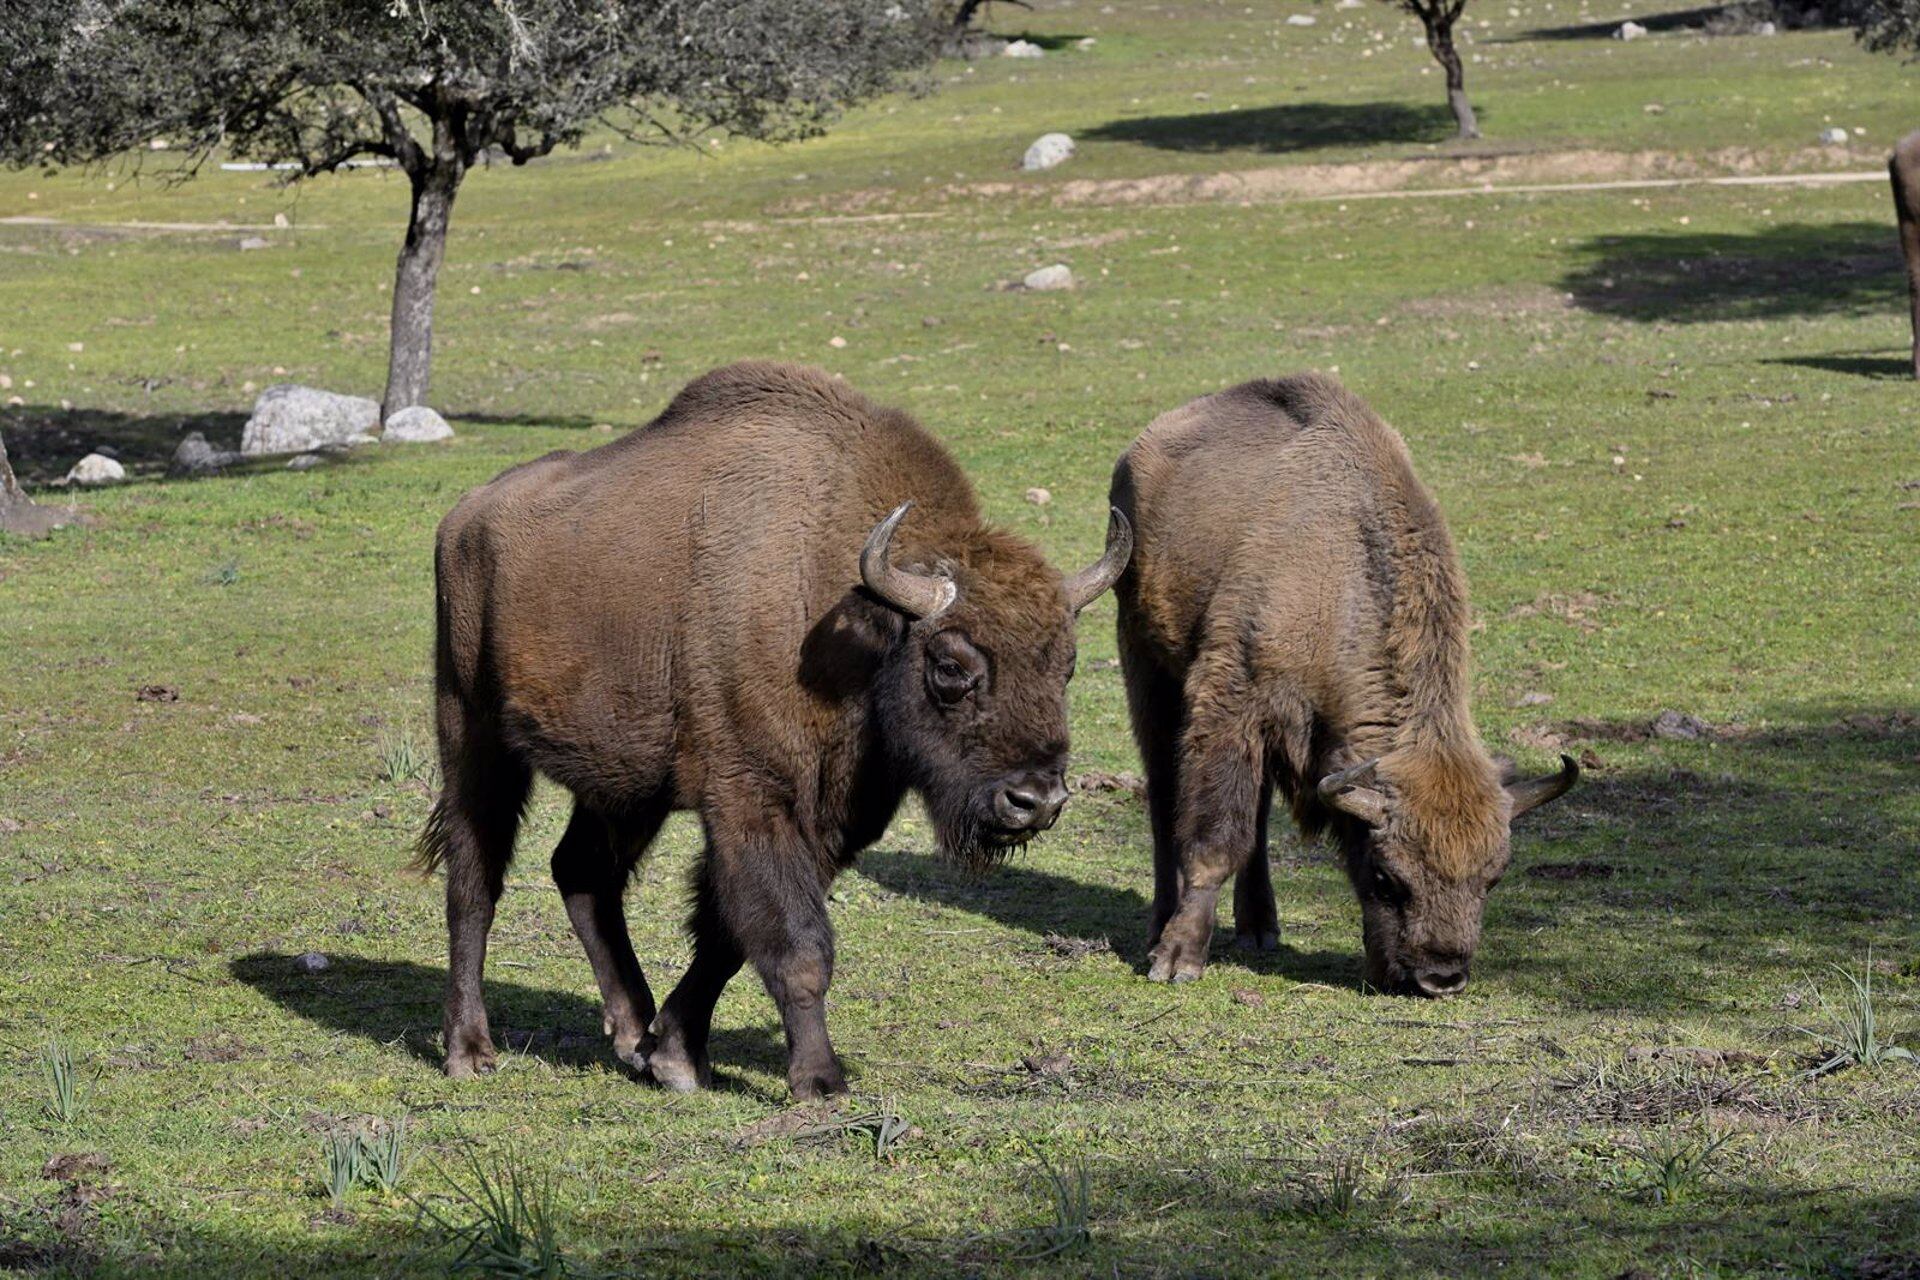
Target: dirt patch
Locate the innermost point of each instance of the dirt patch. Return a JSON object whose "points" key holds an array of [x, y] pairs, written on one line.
{"points": [[1514, 171], [1076, 948]]}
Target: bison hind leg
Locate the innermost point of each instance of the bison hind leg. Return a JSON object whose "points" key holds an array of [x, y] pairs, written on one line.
{"points": [[591, 866]]}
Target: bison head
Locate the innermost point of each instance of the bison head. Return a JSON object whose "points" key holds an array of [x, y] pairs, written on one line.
{"points": [[972, 699], [1430, 841]]}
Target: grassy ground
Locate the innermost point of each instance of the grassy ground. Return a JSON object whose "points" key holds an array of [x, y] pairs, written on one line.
{"points": [[1670, 429]]}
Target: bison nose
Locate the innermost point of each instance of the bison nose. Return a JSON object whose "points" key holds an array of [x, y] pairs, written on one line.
{"points": [[1030, 803], [1441, 980]]}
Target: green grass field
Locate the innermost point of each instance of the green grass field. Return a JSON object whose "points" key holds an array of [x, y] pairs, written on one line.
{"points": [[1672, 432]]}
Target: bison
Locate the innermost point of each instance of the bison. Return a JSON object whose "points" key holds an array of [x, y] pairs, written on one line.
{"points": [[1904, 168], [1295, 617], [731, 611]]}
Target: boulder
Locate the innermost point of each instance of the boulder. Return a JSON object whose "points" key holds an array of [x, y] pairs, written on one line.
{"points": [[1048, 150], [1834, 136], [96, 469], [416, 424], [195, 457], [295, 419], [1629, 31], [1023, 49], [1047, 279]]}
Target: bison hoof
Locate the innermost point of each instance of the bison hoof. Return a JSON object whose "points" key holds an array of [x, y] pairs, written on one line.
{"points": [[465, 1066], [1264, 940], [825, 1082]]}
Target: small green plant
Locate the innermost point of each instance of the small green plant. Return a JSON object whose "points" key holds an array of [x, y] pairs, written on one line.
{"points": [[384, 1158], [1343, 1188], [1071, 1193], [223, 575], [503, 1226], [401, 759], [63, 1083], [1675, 1166], [1854, 1037], [345, 1166]]}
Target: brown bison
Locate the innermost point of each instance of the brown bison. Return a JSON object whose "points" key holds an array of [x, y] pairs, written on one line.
{"points": [[718, 613], [1295, 617]]}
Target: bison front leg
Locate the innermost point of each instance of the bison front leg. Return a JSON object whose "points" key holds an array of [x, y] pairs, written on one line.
{"points": [[1220, 780]]}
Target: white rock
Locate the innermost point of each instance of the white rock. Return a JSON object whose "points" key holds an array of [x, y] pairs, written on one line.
{"points": [[311, 962], [96, 469], [1085, 42], [1834, 136], [359, 438], [1023, 49], [1047, 279], [1351, 4], [293, 419], [1039, 497], [280, 220], [255, 242], [1629, 31], [416, 424], [1048, 150], [304, 461], [1301, 19], [1766, 29]]}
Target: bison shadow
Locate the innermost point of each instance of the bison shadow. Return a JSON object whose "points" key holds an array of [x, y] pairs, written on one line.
{"points": [[397, 1002], [1800, 269], [1042, 902], [1294, 126], [1895, 368]]}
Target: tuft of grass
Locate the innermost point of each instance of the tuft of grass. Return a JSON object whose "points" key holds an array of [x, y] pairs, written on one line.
{"points": [[1342, 1189], [883, 1126], [345, 1166], [401, 757], [1675, 1166], [1854, 1036], [384, 1158], [505, 1225], [222, 575], [1071, 1193], [62, 1081]]}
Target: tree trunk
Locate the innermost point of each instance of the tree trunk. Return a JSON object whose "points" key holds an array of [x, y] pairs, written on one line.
{"points": [[410, 360], [1905, 171], [1440, 41], [18, 513], [963, 16]]}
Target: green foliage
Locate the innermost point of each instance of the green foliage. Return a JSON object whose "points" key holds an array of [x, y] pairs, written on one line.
{"points": [[401, 758], [1854, 1036], [1674, 1166], [62, 1081], [504, 1224], [1069, 1192], [378, 1160], [345, 1166]]}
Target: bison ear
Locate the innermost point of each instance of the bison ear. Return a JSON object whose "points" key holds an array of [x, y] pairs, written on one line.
{"points": [[1531, 793], [1347, 791]]}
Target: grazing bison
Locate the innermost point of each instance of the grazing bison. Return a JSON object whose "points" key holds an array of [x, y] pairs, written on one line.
{"points": [[1904, 167], [1295, 617], [718, 613]]}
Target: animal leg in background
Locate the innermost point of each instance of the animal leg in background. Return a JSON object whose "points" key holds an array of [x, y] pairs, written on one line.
{"points": [[591, 866], [676, 1047], [472, 831], [1256, 920], [1222, 771], [1158, 710]]}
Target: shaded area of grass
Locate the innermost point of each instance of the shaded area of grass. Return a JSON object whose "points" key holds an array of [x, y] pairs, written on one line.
{"points": [[1798, 269], [1288, 127], [1675, 20]]}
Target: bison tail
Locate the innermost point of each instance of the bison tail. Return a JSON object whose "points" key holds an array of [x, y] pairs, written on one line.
{"points": [[430, 850]]}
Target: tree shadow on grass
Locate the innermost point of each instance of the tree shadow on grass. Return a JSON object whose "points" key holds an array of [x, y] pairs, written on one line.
{"points": [[1294, 126], [399, 1002], [1879, 368], [1677, 20], [1767, 848], [1799, 269], [1041, 902]]}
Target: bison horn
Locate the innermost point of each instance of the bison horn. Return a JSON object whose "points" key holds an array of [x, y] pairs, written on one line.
{"points": [[1084, 587], [918, 595], [1347, 791], [1531, 793]]}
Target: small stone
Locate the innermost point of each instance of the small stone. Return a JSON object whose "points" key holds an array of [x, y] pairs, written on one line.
{"points": [[6, 383], [1679, 726], [76, 347], [255, 242], [1251, 999], [1629, 31], [311, 962], [1047, 279], [1085, 42], [1301, 20], [96, 469], [1039, 497], [1022, 49], [1654, 109], [930, 322], [304, 461], [195, 457], [280, 220], [416, 424], [1048, 150], [836, 342], [1834, 136]]}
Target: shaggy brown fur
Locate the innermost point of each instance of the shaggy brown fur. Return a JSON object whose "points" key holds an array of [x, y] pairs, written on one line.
{"points": [[1295, 607], [678, 620], [1904, 168]]}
